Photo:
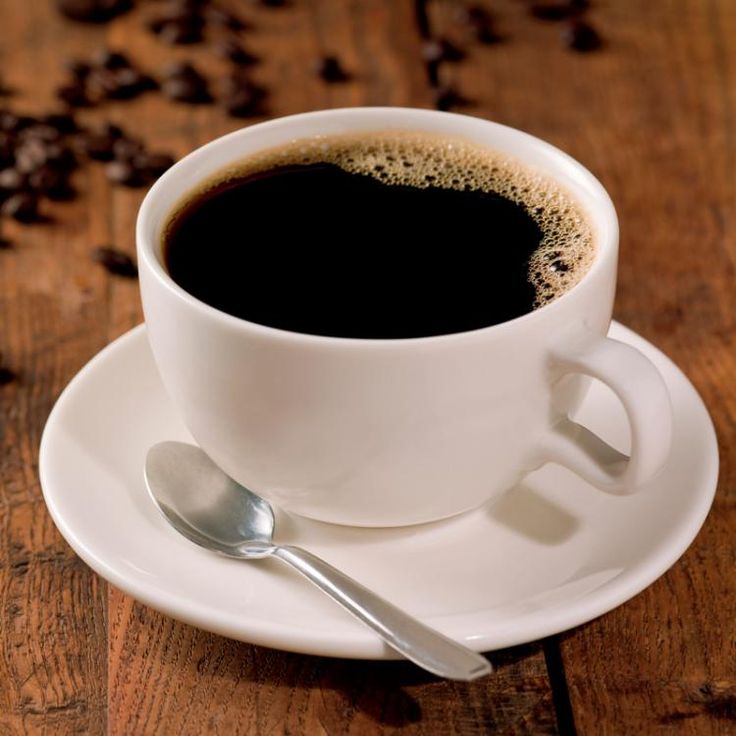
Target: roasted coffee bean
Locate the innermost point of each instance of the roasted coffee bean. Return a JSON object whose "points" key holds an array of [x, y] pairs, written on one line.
{"points": [[331, 71], [12, 123], [30, 155], [11, 180], [93, 11], [115, 261], [153, 164], [581, 36], [78, 69], [480, 22], [439, 50], [22, 206], [185, 84], [220, 17], [74, 94], [99, 144], [448, 98], [125, 173], [108, 59], [243, 97], [552, 11], [181, 32], [62, 122], [126, 149], [232, 51], [51, 183], [6, 374]]}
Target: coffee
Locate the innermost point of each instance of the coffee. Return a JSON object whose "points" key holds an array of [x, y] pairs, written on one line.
{"points": [[384, 235]]}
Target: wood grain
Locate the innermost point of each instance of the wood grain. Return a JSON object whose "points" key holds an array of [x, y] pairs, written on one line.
{"points": [[652, 114]]}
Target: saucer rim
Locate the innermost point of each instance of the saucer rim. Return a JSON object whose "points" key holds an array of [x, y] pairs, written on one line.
{"points": [[546, 621]]}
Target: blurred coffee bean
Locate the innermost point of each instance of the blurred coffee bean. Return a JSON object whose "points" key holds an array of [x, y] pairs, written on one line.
{"points": [[11, 180], [233, 51], [107, 59], [64, 123], [99, 144], [224, 18], [153, 164], [115, 261], [125, 173], [437, 50], [330, 70], [581, 36], [184, 83], [552, 11], [22, 206], [448, 98], [74, 94], [93, 11], [6, 374], [243, 98]]}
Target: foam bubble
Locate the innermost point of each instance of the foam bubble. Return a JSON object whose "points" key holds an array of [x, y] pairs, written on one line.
{"points": [[423, 160]]}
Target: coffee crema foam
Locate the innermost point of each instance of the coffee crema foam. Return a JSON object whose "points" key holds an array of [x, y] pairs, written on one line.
{"points": [[424, 160]]}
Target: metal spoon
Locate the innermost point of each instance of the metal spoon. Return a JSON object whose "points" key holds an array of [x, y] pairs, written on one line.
{"points": [[213, 511]]}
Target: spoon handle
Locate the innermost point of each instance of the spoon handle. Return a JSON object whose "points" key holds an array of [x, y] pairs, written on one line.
{"points": [[408, 636]]}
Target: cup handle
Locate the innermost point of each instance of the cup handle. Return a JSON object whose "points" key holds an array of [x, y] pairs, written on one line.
{"points": [[642, 391]]}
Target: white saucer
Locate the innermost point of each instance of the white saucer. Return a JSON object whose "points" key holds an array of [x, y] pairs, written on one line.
{"points": [[552, 554]]}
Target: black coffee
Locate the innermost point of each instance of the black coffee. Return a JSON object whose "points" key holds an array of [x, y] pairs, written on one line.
{"points": [[392, 236]]}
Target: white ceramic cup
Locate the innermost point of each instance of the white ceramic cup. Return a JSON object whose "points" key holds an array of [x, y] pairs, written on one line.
{"points": [[394, 432]]}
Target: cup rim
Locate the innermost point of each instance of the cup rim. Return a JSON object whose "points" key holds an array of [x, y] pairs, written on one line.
{"points": [[606, 247]]}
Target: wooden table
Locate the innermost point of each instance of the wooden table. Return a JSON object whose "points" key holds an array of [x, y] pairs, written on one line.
{"points": [[653, 114]]}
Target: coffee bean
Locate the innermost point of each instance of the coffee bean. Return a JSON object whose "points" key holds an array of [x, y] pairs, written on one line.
{"points": [[78, 69], [331, 71], [552, 11], [30, 155], [12, 123], [243, 97], [22, 206], [181, 32], [51, 183], [480, 22], [125, 173], [232, 51], [126, 149], [64, 123], [448, 98], [439, 50], [93, 11], [581, 36], [108, 59], [100, 145], [224, 18], [115, 261], [74, 94], [153, 164], [185, 84], [11, 180], [7, 375]]}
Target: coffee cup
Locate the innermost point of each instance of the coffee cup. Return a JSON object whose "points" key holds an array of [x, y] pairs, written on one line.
{"points": [[391, 432]]}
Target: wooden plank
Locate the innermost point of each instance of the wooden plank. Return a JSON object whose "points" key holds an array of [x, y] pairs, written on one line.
{"points": [[652, 115]]}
